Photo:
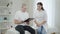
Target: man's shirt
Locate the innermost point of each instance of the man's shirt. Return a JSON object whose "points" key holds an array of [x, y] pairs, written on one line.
{"points": [[21, 16]]}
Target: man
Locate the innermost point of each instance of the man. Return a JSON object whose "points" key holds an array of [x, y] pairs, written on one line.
{"points": [[19, 19]]}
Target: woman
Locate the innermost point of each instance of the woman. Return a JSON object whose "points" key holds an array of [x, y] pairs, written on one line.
{"points": [[40, 18]]}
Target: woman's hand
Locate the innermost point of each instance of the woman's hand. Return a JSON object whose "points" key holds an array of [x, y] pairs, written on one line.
{"points": [[37, 24]]}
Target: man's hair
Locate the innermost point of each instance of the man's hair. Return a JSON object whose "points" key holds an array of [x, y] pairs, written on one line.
{"points": [[23, 5]]}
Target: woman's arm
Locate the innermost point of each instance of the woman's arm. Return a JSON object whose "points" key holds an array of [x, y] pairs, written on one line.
{"points": [[41, 23]]}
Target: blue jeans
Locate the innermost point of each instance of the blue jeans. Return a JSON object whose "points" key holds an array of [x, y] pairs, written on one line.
{"points": [[41, 30]]}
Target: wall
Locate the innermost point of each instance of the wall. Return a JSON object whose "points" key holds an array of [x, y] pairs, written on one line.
{"points": [[57, 15], [17, 4]]}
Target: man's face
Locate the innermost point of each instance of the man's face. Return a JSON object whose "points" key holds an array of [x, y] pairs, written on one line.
{"points": [[24, 8]]}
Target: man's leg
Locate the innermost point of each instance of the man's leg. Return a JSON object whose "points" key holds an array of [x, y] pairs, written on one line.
{"points": [[30, 29], [20, 29]]}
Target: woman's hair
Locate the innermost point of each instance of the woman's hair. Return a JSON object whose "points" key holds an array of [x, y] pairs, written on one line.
{"points": [[40, 3]]}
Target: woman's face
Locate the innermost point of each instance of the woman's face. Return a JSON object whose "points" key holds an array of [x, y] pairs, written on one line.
{"points": [[39, 7]]}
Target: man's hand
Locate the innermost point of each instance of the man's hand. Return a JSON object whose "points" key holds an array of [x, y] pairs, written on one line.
{"points": [[17, 22]]}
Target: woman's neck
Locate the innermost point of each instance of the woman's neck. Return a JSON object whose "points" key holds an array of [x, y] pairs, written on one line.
{"points": [[39, 9]]}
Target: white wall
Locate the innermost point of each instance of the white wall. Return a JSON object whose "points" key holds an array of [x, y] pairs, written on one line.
{"points": [[57, 15], [17, 5]]}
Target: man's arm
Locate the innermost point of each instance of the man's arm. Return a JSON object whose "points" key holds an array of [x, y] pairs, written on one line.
{"points": [[17, 21]]}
